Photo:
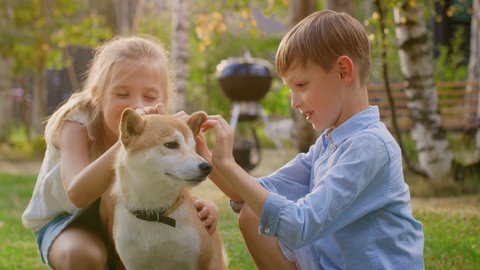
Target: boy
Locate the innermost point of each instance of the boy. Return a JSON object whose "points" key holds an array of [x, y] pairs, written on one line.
{"points": [[343, 204]]}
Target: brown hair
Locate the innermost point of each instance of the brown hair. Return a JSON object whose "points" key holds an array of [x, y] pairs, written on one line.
{"points": [[138, 52], [322, 37]]}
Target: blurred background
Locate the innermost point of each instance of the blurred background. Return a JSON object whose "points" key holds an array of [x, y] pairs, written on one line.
{"points": [[46, 45]]}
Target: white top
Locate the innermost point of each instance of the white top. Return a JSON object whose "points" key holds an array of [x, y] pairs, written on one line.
{"points": [[49, 198]]}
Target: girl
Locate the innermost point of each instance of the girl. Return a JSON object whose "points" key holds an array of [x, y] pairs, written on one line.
{"points": [[71, 211]]}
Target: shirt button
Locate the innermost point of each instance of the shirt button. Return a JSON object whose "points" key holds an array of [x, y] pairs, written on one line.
{"points": [[266, 230], [332, 146]]}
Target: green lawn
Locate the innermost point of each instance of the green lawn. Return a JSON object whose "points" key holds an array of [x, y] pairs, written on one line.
{"points": [[452, 240]]}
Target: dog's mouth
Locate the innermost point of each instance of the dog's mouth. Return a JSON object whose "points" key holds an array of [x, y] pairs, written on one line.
{"points": [[195, 180]]}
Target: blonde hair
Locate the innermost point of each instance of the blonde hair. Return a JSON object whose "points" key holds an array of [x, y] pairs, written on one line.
{"points": [[136, 51], [322, 37]]}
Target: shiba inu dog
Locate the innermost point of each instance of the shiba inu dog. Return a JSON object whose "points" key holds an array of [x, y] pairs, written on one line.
{"points": [[155, 223]]}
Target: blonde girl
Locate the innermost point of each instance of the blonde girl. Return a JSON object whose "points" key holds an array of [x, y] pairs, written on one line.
{"points": [[70, 211]]}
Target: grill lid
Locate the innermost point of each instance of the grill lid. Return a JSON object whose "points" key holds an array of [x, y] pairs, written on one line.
{"points": [[245, 78]]}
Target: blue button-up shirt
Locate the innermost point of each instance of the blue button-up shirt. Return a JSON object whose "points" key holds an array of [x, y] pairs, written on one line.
{"points": [[345, 204]]}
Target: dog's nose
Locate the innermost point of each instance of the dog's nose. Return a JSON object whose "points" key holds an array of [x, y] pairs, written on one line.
{"points": [[205, 167]]}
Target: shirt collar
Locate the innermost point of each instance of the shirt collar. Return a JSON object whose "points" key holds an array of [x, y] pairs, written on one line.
{"points": [[356, 123]]}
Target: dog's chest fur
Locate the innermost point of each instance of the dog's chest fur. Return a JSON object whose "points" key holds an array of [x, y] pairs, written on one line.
{"points": [[153, 245]]}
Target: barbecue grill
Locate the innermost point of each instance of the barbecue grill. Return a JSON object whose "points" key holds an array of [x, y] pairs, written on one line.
{"points": [[245, 81]]}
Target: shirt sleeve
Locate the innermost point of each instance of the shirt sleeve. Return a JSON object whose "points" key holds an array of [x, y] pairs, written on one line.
{"points": [[293, 179], [352, 182]]}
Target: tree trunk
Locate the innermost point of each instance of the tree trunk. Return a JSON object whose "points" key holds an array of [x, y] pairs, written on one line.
{"points": [[39, 102], [416, 62], [303, 133], [180, 48], [474, 65], [340, 5], [5, 98]]}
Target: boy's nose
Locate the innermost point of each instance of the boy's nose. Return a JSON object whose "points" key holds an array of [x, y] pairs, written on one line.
{"points": [[294, 102]]}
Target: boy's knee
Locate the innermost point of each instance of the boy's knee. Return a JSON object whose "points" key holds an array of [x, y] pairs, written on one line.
{"points": [[248, 220]]}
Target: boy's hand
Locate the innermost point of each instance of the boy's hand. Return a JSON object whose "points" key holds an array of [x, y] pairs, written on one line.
{"points": [[224, 135]]}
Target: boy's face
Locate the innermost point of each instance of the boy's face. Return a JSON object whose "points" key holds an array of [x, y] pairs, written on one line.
{"points": [[317, 94]]}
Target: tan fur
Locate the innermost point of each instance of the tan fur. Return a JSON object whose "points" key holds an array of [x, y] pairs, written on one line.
{"points": [[156, 165]]}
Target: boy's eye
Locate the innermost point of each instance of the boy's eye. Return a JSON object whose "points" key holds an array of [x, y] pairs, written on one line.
{"points": [[300, 85], [171, 145]]}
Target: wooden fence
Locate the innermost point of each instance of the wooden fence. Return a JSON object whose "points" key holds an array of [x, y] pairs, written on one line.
{"points": [[457, 107]]}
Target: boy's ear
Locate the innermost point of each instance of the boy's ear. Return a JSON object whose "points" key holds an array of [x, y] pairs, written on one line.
{"points": [[195, 121], [346, 69]]}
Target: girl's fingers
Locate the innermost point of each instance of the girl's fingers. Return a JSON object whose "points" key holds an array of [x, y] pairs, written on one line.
{"points": [[160, 108], [181, 115]]}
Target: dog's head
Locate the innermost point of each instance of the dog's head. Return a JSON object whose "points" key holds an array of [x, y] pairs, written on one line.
{"points": [[162, 148]]}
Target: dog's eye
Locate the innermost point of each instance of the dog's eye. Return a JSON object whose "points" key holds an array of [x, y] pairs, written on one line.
{"points": [[171, 145]]}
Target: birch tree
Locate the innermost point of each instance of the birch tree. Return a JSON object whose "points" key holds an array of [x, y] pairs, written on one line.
{"points": [[474, 64], [416, 62], [180, 33]]}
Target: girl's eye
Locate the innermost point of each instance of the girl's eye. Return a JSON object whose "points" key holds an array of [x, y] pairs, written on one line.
{"points": [[171, 145], [121, 95], [151, 97]]}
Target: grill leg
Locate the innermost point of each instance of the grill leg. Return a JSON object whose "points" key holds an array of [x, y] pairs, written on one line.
{"points": [[235, 115], [271, 131]]}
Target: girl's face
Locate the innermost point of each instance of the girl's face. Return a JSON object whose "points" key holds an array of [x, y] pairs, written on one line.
{"points": [[316, 94], [129, 89]]}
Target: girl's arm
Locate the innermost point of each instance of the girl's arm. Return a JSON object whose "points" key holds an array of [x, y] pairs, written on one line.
{"points": [[83, 181]]}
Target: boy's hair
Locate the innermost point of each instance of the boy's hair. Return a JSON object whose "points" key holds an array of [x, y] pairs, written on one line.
{"points": [[322, 37], [135, 51]]}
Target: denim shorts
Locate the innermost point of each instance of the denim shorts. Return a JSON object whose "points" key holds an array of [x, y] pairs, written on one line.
{"points": [[50, 232]]}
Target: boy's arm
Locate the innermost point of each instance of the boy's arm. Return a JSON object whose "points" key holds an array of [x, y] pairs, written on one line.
{"points": [[231, 176], [216, 177]]}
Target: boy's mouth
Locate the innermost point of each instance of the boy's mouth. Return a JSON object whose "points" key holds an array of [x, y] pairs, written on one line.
{"points": [[308, 115]]}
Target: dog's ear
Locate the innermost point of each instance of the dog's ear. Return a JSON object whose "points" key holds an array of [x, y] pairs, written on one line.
{"points": [[131, 124], [195, 121]]}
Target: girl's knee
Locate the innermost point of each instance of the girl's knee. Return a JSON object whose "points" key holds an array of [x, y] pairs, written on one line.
{"points": [[78, 248]]}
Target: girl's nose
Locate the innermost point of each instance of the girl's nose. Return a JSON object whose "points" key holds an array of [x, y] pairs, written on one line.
{"points": [[137, 102]]}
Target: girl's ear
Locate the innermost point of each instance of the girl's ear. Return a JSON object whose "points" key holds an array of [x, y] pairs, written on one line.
{"points": [[346, 69]]}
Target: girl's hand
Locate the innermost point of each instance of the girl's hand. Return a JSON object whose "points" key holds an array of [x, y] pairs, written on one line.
{"points": [[181, 115], [157, 109], [207, 213], [224, 134]]}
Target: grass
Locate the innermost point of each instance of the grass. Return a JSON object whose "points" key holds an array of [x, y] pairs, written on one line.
{"points": [[19, 250], [452, 240]]}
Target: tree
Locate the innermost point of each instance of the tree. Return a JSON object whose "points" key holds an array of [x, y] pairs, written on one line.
{"points": [[33, 36], [303, 133], [474, 64], [180, 39], [416, 61]]}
